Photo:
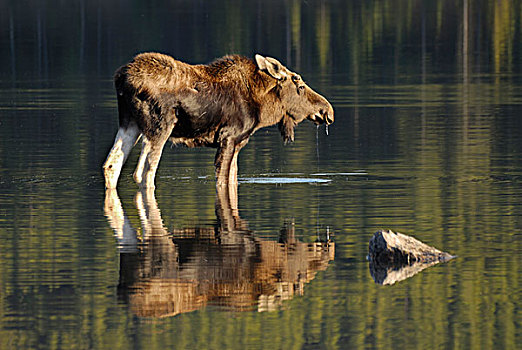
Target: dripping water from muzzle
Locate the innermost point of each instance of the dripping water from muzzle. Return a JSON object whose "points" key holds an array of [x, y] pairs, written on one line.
{"points": [[317, 228], [317, 144]]}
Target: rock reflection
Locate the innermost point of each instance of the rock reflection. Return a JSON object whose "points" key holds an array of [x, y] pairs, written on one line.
{"points": [[166, 273], [390, 274]]}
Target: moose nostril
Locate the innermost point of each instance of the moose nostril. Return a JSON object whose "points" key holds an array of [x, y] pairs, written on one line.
{"points": [[328, 119]]}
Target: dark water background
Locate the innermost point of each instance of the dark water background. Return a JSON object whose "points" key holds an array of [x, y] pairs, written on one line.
{"points": [[427, 141]]}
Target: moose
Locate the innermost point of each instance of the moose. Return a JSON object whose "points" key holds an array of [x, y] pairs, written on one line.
{"points": [[217, 105]]}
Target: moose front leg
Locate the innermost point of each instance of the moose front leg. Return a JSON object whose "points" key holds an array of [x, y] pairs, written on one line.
{"points": [[223, 162], [232, 177], [232, 174]]}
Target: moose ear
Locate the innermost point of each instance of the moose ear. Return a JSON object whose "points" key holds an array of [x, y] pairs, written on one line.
{"points": [[271, 66]]}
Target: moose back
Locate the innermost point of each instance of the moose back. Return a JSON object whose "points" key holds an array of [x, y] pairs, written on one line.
{"points": [[217, 105]]}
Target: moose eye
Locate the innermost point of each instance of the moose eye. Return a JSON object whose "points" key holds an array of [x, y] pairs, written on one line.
{"points": [[296, 78]]}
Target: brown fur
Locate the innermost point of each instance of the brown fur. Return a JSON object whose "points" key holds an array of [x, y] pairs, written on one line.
{"points": [[217, 105]]}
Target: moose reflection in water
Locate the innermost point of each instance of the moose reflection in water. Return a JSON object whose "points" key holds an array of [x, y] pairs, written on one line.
{"points": [[167, 273]]}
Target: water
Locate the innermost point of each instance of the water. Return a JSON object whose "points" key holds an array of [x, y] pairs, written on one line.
{"points": [[427, 141]]}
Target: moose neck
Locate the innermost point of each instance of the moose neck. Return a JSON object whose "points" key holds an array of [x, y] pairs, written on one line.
{"points": [[271, 110]]}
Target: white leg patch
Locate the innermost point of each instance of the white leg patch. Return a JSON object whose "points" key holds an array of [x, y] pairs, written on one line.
{"points": [[123, 143], [140, 168]]}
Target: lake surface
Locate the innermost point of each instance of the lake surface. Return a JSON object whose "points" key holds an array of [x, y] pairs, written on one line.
{"points": [[427, 141]]}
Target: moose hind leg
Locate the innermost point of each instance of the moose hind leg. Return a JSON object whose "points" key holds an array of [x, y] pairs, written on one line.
{"points": [[151, 166], [143, 165], [154, 151], [125, 139]]}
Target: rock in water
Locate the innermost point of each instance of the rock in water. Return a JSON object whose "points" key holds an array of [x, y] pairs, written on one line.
{"points": [[394, 257]]}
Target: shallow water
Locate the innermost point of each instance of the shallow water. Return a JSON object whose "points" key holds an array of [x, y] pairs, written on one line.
{"points": [[281, 180], [427, 141]]}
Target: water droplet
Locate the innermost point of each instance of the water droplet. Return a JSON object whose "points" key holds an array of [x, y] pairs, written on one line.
{"points": [[317, 143], [326, 130]]}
